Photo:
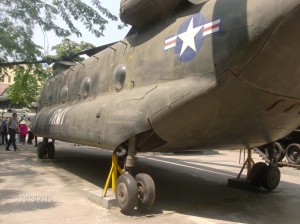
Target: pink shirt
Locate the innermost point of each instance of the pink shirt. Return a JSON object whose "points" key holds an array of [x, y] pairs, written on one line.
{"points": [[23, 130]]}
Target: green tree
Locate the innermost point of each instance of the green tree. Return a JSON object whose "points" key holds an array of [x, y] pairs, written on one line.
{"points": [[67, 49], [19, 18], [29, 80]]}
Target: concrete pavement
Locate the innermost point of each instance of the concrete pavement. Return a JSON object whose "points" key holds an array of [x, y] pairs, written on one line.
{"points": [[191, 188]]}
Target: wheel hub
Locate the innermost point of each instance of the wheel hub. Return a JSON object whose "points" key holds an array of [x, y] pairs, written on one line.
{"points": [[294, 155], [122, 193], [140, 191], [274, 179]]}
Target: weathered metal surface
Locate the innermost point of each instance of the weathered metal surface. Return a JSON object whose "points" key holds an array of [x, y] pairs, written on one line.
{"points": [[212, 75]]}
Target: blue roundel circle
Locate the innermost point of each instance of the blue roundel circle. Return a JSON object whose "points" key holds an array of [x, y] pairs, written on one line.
{"points": [[190, 38]]}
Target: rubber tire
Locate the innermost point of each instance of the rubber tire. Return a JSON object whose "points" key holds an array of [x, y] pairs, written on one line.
{"points": [[146, 191], [126, 192], [271, 177], [279, 151], [51, 150], [289, 151], [41, 151], [256, 174]]}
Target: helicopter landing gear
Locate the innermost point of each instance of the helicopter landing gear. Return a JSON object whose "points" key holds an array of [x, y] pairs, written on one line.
{"points": [[41, 151], [46, 149], [258, 174], [146, 191], [266, 176], [127, 192], [131, 192], [271, 177]]}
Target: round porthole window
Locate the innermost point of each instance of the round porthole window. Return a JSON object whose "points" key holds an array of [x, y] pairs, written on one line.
{"points": [[119, 76], [64, 94], [85, 87]]}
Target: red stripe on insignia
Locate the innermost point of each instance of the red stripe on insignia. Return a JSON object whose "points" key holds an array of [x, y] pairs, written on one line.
{"points": [[171, 42], [211, 27]]}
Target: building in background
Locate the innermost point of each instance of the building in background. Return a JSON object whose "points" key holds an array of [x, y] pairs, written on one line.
{"points": [[6, 79]]}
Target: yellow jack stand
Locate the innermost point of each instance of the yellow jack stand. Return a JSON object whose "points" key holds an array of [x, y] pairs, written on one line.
{"points": [[242, 182], [249, 162], [113, 173]]}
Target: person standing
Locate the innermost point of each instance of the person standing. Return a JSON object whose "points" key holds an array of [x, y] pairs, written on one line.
{"points": [[12, 128], [4, 132], [30, 134], [23, 131]]}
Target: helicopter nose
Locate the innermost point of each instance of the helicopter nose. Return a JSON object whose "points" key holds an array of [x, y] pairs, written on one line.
{"points": [[275, 68]]}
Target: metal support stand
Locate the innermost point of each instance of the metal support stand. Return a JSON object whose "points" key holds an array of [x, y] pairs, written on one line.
{"points": [[113, 173], [249, 163], [243, 183]]}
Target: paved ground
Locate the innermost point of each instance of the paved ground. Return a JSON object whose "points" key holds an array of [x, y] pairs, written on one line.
{"points": [[191, 188]]}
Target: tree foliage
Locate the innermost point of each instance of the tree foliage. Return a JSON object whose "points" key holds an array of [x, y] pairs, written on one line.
{"points": [[19, 18], [18, 21], [68, 48], [29, 80]]}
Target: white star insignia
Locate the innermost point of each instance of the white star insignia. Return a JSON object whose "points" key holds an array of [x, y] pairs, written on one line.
{"points": [[188, 37]]}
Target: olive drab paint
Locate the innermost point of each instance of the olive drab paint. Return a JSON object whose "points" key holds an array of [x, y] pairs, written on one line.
{"points": [[215, 74]]}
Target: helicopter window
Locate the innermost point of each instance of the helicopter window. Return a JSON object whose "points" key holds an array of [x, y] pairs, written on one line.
{"points": [[85, 87], [64, 94], [120, 76]]}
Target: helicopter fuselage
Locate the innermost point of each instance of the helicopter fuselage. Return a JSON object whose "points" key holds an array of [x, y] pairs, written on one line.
{"points": [[223, 74]]}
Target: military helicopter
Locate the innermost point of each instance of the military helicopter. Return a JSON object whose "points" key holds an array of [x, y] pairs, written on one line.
{"points": [[189, 75]]}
